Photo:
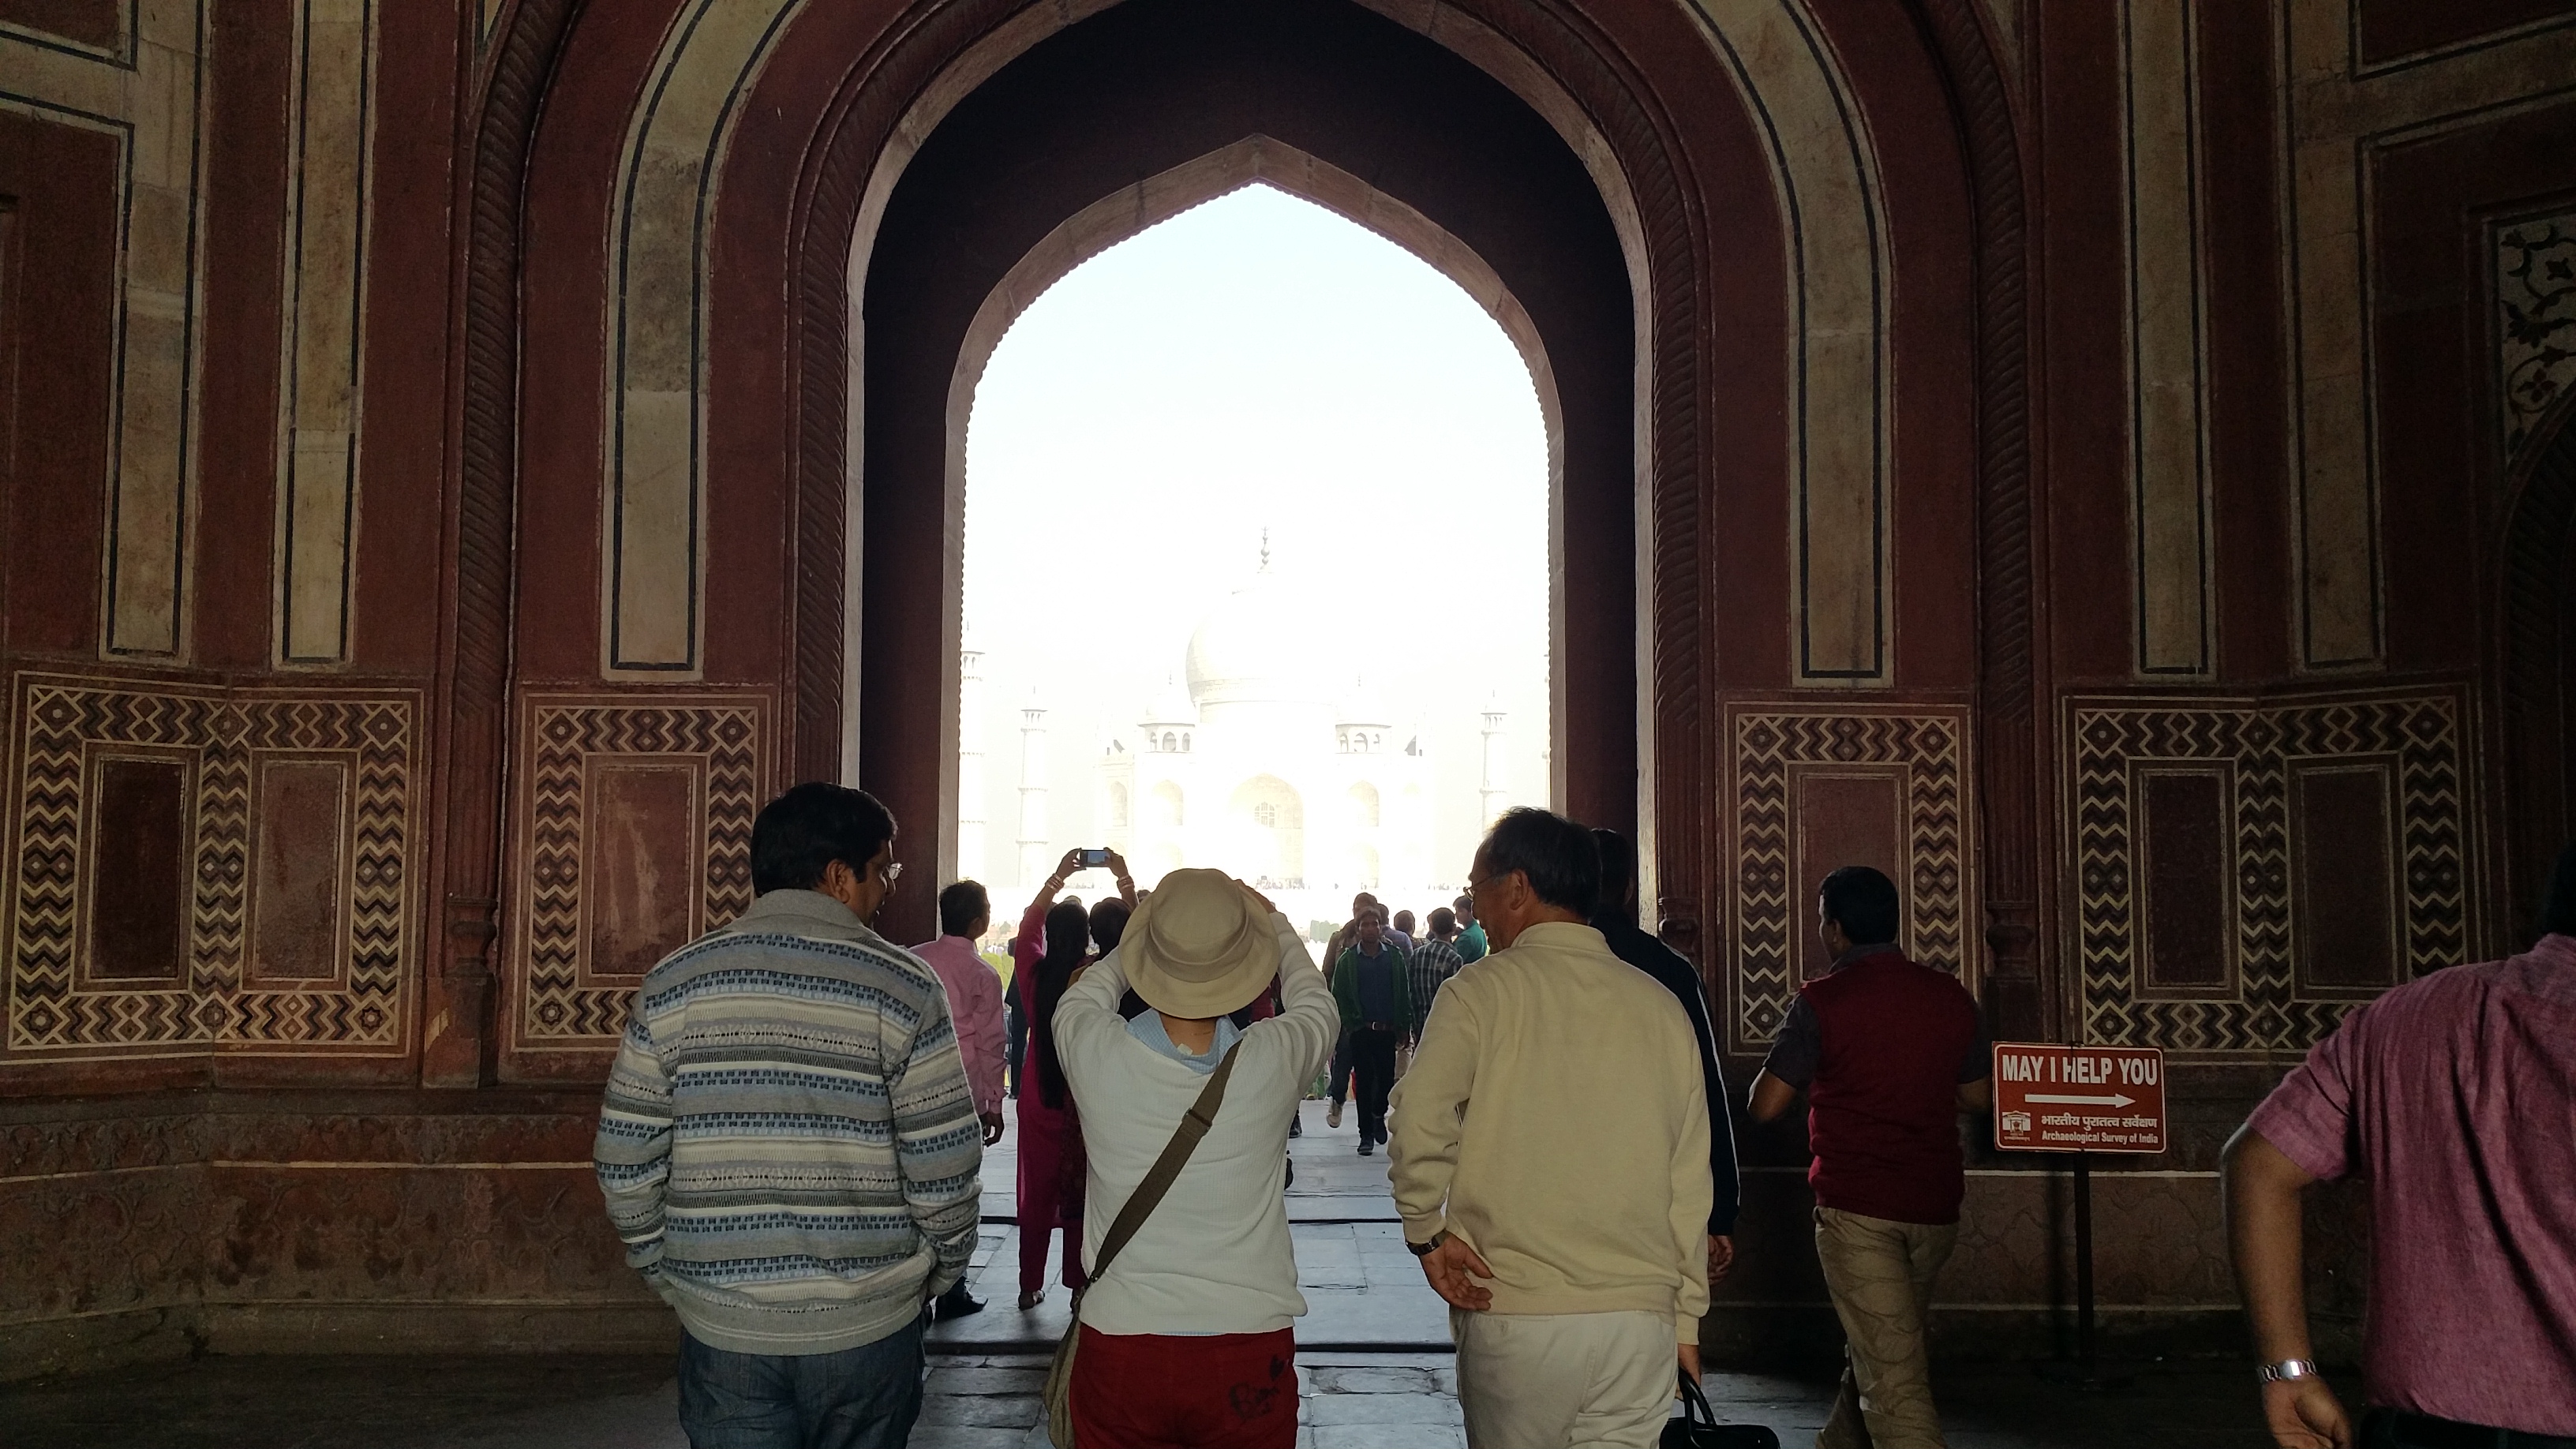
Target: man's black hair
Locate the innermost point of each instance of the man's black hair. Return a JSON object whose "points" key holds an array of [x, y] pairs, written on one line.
{"points": [[2558, 903], [1618, 873], [1443, 921], [798, 835], [1863, 902], [1557, 855], [961, 906], [1109, 924]]}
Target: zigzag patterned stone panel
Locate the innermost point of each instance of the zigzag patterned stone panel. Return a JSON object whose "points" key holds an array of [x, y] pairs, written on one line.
{"points": [[1927, 751], [56, 1011], [2112, 738], [562, 1003]]}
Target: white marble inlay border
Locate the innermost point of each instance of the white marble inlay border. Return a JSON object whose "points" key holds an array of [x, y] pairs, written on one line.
{"points": [[331, 126], [1824, 164], [2169, 501], [150, 98], [669, 176]]}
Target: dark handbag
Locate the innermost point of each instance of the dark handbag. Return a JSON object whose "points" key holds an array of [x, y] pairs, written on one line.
{"points": [[1698, 1428]]}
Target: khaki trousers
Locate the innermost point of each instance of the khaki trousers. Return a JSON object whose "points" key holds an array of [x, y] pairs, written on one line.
{"points": [[1880, 1274], [1559, 1380]]}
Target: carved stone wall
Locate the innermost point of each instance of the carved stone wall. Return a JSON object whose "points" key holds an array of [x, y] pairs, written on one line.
{"points": [[2245, 870], [204, 868], [2535, 298], [630, 835], [1815, 788], [284, 1221]]}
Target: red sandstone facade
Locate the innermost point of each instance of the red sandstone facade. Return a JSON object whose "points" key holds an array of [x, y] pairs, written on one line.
{"points": [[2106, 464]]}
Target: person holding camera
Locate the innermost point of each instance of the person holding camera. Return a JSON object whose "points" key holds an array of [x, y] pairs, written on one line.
{"points": [[1186, 1336], [1051, 952]]}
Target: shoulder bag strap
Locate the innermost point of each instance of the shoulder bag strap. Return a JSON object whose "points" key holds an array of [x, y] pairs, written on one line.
{"points": [[1167, 1168]]}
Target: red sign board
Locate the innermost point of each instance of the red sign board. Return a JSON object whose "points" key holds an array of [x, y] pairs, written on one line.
{"points": [[2079, 1099]]}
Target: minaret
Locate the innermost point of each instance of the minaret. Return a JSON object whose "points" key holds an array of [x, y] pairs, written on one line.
{"points": [[1493, 799], [1033, 791], [971, 860]]}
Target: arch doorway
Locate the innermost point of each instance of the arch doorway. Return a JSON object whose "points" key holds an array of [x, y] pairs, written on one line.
{"points": [[1153, 105], [1266, 834], [2538, 678]]}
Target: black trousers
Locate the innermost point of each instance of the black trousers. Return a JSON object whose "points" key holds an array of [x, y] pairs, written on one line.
{"points": [[1373, 1054], [1341, 1089], [2389, 1429]]}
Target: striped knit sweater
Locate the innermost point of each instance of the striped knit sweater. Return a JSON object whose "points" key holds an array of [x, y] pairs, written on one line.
{"points": [[788, 1144]]}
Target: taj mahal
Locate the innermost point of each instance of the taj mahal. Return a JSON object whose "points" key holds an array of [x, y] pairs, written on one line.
{"points": [[1267, 754]]}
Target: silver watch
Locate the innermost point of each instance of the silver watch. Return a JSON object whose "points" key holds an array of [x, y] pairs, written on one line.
{"points": [[2288, 1368]]}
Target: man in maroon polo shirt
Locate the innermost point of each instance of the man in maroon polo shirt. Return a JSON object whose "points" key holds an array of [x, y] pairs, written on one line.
{"points": [[2454, 1097], [1888, 1053]]}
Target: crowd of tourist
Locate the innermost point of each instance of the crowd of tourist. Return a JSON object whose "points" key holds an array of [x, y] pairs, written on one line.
{"points": [[791, 1141]]}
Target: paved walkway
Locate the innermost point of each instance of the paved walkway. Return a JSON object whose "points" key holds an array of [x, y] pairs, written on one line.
{"points": [[1373, 1361], [1363, 1290], [1350, 1401]]}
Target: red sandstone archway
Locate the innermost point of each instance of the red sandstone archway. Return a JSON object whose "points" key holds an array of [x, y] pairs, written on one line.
{"points": [[1658, 124], [2537, 678], [1144, 92]]}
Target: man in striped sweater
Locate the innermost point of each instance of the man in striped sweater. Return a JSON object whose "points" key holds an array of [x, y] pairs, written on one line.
{"points": [[789, 1145]]}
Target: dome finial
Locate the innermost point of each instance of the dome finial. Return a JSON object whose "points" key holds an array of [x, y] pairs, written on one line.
{"points": [[1265, 548]]}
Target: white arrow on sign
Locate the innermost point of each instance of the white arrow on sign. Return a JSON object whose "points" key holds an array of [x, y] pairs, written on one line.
{"points": [[2081, 1101]]}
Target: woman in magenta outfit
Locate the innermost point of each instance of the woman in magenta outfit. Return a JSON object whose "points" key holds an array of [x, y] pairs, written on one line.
{"points": [[1051, 950]]}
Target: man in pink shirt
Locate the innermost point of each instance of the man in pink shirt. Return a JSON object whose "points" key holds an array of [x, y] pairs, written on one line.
{"points": [[975, 1004], [2454, 1097]]}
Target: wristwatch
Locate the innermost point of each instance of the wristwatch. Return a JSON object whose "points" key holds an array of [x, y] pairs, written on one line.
{"points": [[2286, 1369], [1429, 1245]]}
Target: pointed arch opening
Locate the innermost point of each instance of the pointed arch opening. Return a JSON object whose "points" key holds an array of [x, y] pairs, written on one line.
{"points": [[1151, 106]]}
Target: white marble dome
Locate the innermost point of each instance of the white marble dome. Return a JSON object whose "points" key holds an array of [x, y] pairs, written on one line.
{"points": [[1262, 645]]}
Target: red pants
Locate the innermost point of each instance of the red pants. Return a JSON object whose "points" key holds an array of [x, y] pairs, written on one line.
{"points": [[1051, 1179], [1152, 1391]]}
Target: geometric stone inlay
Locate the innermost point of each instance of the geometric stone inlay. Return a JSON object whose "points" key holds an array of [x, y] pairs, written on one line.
{"points": [[2114, 739]]}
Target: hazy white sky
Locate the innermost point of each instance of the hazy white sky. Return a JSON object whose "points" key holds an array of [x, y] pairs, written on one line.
{"points": [[1255, 362]]}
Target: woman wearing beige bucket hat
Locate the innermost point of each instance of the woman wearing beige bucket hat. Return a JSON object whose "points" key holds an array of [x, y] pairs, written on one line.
{"points": [[1184, 1337]]}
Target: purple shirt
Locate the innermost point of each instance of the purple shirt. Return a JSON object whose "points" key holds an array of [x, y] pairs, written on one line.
{"points": [[975, 1004], [2455, 1096]]}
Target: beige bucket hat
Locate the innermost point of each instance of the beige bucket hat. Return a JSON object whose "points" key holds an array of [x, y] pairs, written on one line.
{"points": [[1200, 946]]}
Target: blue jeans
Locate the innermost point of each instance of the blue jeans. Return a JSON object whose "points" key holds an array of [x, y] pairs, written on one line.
{"points": [[859, 1398]]}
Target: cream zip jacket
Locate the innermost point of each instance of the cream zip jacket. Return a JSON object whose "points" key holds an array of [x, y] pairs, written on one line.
{"points": [[1555, 1119]]}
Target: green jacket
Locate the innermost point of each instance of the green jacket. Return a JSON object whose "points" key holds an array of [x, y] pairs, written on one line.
{"points": [[1346, 986]]}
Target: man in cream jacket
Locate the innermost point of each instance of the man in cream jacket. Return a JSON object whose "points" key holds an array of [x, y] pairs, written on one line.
{"points": [[1550, 1161]]}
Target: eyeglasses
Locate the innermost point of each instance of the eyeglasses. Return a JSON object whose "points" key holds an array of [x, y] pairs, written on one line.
{"points": [[1475, 886], [893, 872]]}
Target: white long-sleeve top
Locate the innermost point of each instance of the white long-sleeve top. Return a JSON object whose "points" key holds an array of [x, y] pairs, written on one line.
{"points": [[1214, 1256]]}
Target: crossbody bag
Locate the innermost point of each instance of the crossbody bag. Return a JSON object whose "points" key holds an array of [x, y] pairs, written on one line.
{"points": [[1141, 1203]]}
